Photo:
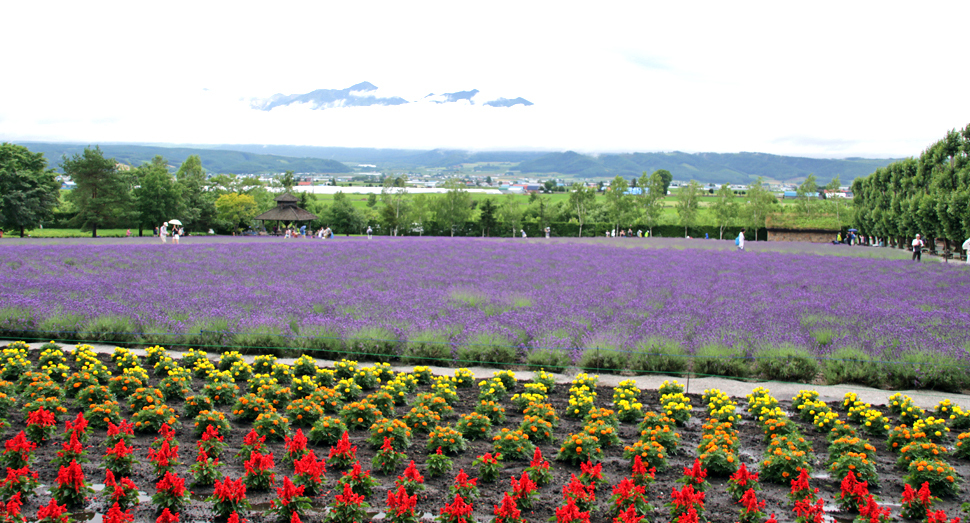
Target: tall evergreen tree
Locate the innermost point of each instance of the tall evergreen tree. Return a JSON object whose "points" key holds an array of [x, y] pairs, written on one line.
{"points": [[102, 194]]}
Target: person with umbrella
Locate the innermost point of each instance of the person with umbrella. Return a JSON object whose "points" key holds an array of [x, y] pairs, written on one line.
{"points": [[176, 231]]}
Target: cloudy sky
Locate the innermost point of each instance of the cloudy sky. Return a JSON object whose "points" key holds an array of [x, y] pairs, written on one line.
{"points": [[828, 79]]}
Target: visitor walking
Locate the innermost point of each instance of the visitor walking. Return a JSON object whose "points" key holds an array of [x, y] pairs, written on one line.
{"points": [[163, 232], [966, 248], [370, 232], [548, 230], [523, 232], [176, 232], [739, 241], [156, 232], [303, 231], [917, 248]]}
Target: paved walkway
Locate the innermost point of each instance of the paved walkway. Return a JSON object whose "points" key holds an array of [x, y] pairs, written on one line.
{"points": [[734, 388]]}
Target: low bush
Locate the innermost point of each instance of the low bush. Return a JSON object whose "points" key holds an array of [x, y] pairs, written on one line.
{"points": [[428, 348], [925, 370], [719, 360], [489, 350], [849, 365], [554, 359], [659, 356], [373, 343], [786, 363], [607, 360]]}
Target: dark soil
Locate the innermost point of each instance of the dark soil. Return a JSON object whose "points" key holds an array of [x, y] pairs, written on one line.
{"points": [[719, 506]]}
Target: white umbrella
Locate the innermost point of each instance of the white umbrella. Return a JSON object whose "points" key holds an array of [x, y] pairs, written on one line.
{"points": [[175, 222]]}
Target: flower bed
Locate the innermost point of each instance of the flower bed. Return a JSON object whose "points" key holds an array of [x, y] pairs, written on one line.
{"points": [[600, 444]]}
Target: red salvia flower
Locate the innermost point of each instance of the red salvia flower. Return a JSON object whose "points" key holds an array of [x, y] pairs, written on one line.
{"points": [[171, 484], [348, 497], [570, 513], [742, 476], [343, 448], [507, 510], [229, 490], [750, 502], [116, 515], [167, 517], [411, 473], [79, 425], [400, 504], [457, 510], [523, 487], [53, 512], [122, 429], [121, 450], [211, 432], [629, 516], [166, 455], [538, 462], [71, 475]]}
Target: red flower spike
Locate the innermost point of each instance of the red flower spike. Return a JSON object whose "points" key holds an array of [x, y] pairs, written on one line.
{"points": [[115, 515], [629, 516], [53, 512], [167, 517], [507, 509], [570, 513]]}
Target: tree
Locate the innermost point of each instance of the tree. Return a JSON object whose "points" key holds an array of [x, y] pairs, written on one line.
{"points": [[688, 202], [158, 198], [487, 216], [372, 200], [420, 208], [396, 199], [511, 213], [617, 202], [198, 198], [28, 190], [236, 209], [287, 181], [760, 203], [453, 207], [834, 186], [582, 199], [725, 208], [805, 192], [102, 194], [651, 198], [666, 177]]}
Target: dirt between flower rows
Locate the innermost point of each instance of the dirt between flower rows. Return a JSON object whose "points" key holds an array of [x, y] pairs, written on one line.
{"points": [[719, 505]]}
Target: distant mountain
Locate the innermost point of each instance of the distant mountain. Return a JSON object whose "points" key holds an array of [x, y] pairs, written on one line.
{"points": [[364, 94], [213, 160], [703, 167], [388, 158]]}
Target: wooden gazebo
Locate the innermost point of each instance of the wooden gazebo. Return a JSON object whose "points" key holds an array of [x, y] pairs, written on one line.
{"points": [[286, 211]]}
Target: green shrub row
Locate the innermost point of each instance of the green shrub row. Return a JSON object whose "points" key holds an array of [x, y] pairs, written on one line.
{"points": [[911, 370]]}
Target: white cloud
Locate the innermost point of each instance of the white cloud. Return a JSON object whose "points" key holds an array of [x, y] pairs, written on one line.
{"points": [[828, 79]]}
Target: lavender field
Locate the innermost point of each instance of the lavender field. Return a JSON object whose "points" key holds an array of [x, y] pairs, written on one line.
{"points": [[404, 294]]}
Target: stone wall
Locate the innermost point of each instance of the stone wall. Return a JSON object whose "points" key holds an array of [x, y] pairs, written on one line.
{"points": [[793, 235]]}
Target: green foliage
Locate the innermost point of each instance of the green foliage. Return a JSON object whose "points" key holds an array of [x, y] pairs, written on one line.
{"points": [[719, 360], [489, 350], [102, 195], [786, 363], [925, 370], [28, 190], [848, 365], [429, 348], [659, 356]]}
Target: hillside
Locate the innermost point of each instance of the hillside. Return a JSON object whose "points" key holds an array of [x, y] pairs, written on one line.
{"points": [[703, 167], [213, 160]]}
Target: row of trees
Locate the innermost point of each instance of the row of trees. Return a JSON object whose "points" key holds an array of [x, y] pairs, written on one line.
{"points": [[148, 195], [928, 195]]}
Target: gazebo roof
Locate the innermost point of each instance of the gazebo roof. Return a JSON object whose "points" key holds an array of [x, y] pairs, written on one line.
{"points": [[287, 211], [287, 214]]}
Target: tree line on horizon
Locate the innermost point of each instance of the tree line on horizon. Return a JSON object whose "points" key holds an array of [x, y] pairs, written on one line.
{"points": [[109, 196]]}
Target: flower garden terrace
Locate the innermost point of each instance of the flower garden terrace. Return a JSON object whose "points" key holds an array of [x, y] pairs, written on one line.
{"points": [[782, 311]]}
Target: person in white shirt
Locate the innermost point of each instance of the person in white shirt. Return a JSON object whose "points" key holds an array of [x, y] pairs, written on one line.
{"points": [[918, 248], [741, 240], [163, 233], [966, 249]]}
